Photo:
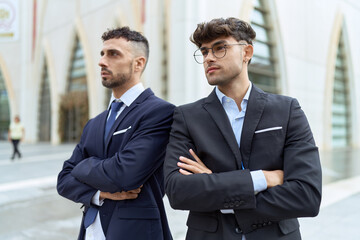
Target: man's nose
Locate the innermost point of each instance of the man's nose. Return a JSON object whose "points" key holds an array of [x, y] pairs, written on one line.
{"points": [[102, 62], [210, 57]]}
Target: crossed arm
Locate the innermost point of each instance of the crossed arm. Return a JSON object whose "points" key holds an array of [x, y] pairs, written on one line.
{"points": [[188, 167], [122, 175]]}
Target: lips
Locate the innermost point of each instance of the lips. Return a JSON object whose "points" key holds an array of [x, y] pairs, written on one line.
{"points": [[105, 72], [211, 69]]}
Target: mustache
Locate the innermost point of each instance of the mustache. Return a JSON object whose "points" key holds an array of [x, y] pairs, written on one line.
{"points": [[212, 65], [106, 70]]}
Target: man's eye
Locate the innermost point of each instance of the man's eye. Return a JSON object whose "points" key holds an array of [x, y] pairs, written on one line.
{"points": [[114, 53], [205, 52], [219, 48]]}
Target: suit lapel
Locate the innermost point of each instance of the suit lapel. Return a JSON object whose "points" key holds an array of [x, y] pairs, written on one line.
{"points": [[101, 130], [142, 97], [213, 106], [253, 114]]}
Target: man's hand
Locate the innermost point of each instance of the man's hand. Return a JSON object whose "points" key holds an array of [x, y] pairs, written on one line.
{"points": [[132, 194], [273, 178], [188, 166]]}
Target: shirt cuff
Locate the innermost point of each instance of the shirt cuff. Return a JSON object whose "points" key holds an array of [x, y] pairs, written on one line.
{"points": [[96, 199], [259, 181]]}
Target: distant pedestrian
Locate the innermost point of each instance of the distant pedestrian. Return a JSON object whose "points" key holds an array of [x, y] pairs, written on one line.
{"points": [[16, 134]]}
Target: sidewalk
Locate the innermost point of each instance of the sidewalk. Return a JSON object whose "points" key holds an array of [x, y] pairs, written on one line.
{"points": [[31, 209]]}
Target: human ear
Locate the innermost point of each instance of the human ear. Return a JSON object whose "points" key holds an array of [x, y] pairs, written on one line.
{"points": [[140, 64], [248, 53]]}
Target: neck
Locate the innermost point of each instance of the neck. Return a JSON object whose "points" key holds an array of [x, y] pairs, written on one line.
{"points": [[236, 89], [119, 91]]}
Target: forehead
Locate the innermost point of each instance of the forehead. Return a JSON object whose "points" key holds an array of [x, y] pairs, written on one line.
{"points": [[220, 39], [120, 44]]}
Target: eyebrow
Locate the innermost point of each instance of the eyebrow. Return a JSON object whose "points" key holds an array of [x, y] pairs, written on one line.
{"points": [[216, 43], [109, 50]]}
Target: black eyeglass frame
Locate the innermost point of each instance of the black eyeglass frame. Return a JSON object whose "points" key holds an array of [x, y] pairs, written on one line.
{"points": [[225, 45]]}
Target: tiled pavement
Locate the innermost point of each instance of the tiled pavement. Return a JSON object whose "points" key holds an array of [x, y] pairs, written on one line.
{"points": [[30, 208]]}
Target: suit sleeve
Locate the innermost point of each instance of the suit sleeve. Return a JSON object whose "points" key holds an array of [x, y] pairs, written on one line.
{"points": [[202, 192], [137, 161], [300, 194], [70, 187]]}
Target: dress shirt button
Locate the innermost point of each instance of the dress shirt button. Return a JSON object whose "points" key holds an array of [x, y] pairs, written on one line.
{"points": [[238, 230]]}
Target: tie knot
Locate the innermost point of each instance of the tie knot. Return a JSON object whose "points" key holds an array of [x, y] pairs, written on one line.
{"points": [[115, 106]]}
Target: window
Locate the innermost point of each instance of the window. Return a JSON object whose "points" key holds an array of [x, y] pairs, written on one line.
{"points": [[262, 70], [341, 115], [74, 112], [44, 117], [4, 109]]}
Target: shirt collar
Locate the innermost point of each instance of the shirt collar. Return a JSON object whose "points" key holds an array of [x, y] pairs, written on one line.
{"points": [[221, 96], [129, 96]]}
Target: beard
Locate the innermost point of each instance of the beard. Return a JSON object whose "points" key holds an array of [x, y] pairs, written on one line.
{"points": [[118, 80]]}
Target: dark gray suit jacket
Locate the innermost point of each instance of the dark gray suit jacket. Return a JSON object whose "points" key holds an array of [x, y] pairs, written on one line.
{"points": [[286, 143]]}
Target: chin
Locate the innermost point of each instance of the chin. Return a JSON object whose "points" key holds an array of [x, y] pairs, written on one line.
{"points": [[212, 82]]}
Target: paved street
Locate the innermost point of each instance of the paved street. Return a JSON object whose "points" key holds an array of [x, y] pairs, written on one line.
{"points": [[31, 209]]}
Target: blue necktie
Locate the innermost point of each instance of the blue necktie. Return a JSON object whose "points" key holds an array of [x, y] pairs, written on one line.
{"points": [[115, 106], [92, 211], [90, 216]]}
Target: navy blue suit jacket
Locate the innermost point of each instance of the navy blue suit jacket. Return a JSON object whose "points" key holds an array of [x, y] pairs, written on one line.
{"points": [[127, 160]]}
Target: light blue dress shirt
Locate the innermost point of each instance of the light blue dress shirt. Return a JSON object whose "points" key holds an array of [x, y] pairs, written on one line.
{"points": [[236, 118]]}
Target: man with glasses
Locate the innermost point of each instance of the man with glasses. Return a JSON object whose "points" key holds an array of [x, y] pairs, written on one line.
{"points": [[244, 162]]}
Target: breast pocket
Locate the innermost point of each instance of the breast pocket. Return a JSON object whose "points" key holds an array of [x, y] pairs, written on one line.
{"points": [[267, 149]]}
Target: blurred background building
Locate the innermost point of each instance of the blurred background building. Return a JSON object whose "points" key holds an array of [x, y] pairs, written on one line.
{"points": [[307, 49]]}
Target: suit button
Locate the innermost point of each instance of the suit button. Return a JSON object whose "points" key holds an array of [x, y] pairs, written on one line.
{"points": [[237, 203], [259, 225], [241, 202], [226, 205], [238, 230], [269, 223], [264, 224], [254, 226], [231, 205]]}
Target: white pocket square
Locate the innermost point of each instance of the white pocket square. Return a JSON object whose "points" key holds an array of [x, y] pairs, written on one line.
{"points": [[268, 129], [121, 131]]}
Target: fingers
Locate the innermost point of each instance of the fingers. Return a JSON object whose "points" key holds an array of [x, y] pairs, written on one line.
{"points": [[191, 166], [274, 178], [129, 195], [196, 157], [137, 191], [184, 172]]}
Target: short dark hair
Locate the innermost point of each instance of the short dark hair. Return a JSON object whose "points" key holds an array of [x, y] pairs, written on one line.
{"points": [[139, 41]]}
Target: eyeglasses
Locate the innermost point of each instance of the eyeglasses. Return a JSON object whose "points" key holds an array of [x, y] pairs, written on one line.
{"points": [[218, 50]]}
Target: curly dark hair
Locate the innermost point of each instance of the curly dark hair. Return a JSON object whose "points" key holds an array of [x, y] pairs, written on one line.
{"points": [[136, 38], [220, 27]]}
